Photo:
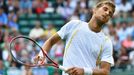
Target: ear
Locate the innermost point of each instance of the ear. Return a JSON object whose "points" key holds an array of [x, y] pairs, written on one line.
{"points": [[93, 10]]}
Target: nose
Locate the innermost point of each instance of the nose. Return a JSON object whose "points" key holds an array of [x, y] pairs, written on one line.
{"points": [[107, 13]]}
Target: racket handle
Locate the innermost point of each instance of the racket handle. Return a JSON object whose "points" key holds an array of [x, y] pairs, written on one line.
{"points": [[62, 68], [41, 54]]}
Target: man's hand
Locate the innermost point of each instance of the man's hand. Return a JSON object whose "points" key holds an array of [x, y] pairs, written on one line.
{"points": [[75, 71], [39, 60]]}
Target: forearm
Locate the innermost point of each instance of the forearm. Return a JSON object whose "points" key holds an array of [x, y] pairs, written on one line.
{"points": [[96, 71], [103, 70], [47, 46], [50, 42], [86, 71], [100, 72]]}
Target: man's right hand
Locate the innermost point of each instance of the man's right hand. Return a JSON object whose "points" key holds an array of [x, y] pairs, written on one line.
{"points": [[39, 59]]}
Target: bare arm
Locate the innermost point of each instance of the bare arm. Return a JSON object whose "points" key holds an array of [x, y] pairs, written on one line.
{"points": [[104, 69], [50, 42]]}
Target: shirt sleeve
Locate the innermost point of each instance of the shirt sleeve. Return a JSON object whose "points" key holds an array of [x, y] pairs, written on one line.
{"points": [[68, 28], [107, 54]]}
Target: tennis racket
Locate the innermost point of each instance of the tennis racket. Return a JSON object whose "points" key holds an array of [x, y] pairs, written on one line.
{"points": [[23, 49]]}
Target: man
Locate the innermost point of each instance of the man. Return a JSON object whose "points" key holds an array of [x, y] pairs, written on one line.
{"points": [[3, 17], [86, 43], [37, 31]]}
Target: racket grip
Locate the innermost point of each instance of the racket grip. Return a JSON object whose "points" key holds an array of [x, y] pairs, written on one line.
{"points": [[41, 54], [62, 68]]}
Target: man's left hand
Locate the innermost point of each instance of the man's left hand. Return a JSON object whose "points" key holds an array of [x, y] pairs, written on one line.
{"points": [[75, 71]]}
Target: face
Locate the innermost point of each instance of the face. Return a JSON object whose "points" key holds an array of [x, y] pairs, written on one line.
{"points": [[103, 13]]}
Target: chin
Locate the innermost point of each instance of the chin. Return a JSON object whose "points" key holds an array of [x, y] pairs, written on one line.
{"points": [[101, 21], [104, 21]]}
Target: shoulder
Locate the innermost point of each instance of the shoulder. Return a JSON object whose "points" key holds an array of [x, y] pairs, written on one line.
{"points": [[74, 21], [108, 42], [77, 22], [72, 24], [106, 37]]}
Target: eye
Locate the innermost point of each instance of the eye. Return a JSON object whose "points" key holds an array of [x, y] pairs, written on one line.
{"points": [[105, 8], [110, 13]]}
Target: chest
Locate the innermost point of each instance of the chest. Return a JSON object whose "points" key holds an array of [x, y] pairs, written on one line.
{"points": [[88, 42]]}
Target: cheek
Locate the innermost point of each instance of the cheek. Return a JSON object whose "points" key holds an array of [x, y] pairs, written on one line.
{"points": [[108, 18], [100, 10], [98, 13]]}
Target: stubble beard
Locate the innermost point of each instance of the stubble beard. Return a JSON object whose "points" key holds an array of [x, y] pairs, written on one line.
{"points": [[99, 22]]}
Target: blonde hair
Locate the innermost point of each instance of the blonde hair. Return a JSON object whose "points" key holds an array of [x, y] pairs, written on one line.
{"points": [[106, 2]]}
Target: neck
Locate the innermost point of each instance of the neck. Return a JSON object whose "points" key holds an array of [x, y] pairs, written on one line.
{"points": [[95, 25]]}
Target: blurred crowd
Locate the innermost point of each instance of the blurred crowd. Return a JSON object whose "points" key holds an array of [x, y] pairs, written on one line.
{"points": [[120, 29]]}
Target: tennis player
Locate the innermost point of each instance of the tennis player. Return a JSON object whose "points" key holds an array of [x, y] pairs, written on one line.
{"points": [[86, 43]]}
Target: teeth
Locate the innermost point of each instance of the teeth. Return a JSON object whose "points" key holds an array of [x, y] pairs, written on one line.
{"points": [[104, 16]]}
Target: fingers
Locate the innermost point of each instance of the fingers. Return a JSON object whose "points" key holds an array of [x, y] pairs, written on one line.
{"points": [[72, 71], [42, 60], [36, 59], [39, 60], [75, 71]]}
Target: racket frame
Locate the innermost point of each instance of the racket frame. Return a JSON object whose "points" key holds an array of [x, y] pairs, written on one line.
{"points": [[44, 53]]}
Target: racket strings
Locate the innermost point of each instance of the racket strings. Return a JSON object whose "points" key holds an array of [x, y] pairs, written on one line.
{"points": [[24, 49]]}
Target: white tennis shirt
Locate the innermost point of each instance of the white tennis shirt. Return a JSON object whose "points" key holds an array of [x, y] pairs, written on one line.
{"points": [[85, 45]]}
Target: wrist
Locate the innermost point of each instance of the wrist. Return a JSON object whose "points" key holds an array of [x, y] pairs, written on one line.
{"points": [[88, 71]]}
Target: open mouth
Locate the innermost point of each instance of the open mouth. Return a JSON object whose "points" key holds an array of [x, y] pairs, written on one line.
{"points": [[103, 16]]}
